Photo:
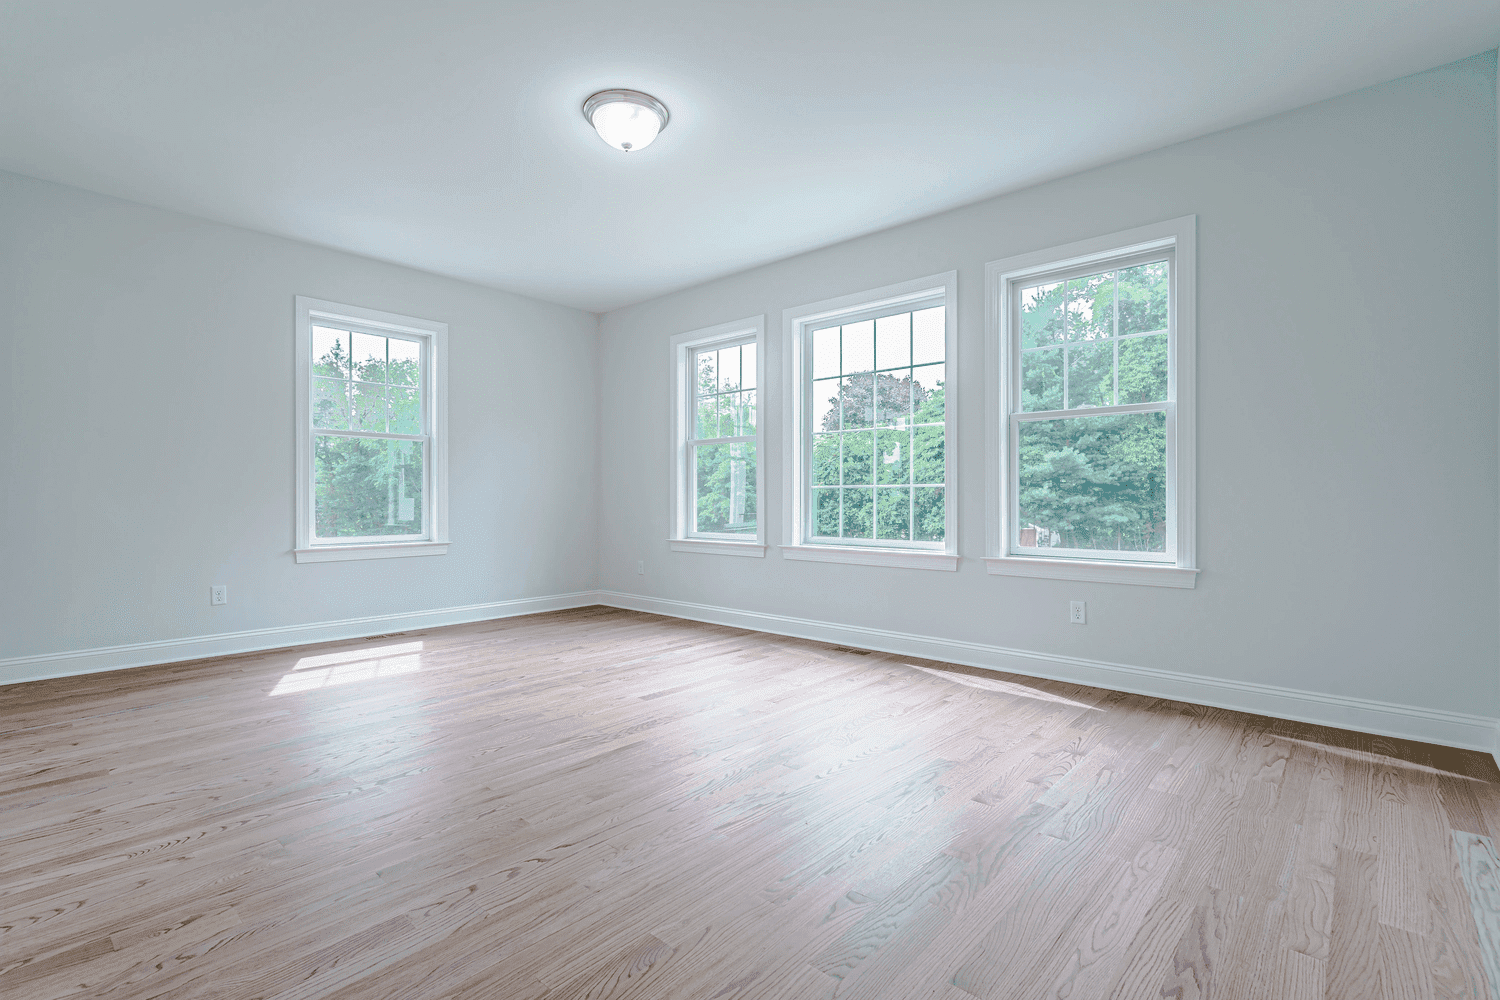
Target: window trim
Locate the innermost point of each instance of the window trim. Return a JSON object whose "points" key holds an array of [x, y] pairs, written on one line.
{"points": [[434, 336], [797, 323], [1002, 278], [680, 538]]}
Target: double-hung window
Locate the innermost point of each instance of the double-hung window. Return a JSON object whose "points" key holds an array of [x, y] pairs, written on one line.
{"points": [[1094, 456], [870, 427], [371, 453], [716, 440]]}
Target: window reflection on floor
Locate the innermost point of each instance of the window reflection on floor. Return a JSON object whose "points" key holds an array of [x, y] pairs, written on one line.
{"points": [[351, 666]]}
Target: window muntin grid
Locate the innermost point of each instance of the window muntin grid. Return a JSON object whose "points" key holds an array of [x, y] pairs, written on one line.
{"points": [[722, 416], [877, 429]]}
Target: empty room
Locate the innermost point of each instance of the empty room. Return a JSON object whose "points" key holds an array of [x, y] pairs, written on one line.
{"points": [[750, 501]]}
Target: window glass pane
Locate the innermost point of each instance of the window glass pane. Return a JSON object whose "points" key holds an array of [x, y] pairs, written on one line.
{"points": [[1143, 298], [859, 400], [826, 513], [367, 407], [893, 341], [724, 482], [708, 372], [928, 336], [825, 401], [893, 513], [369, 358], [744, 413], [859, 513], [1091, 375], [1091, 307], [928, 464], [330, 351], [405, 366], [367, 487], [1042, 315], [893, 398], [1143, 369], [1042, 379], [747, 366], [729, 369], [929, 519], [825, 460], [859, 347], [826, 353], [330, 403], [859, 449], [927, 395], [708, 417], [406, 410], [1096, 483], [893, 464]]}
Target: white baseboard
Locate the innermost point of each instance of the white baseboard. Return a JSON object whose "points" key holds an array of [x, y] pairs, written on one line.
{"points": [[1455, 729], [1426, 725], [89, 661]]}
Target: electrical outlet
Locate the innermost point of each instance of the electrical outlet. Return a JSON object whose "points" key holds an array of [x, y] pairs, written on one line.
{"points": [[1077, 613], [218, 594], [640, 567]]}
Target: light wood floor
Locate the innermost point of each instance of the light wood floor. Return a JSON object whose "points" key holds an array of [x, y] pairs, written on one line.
{"points": [[600, 803]]}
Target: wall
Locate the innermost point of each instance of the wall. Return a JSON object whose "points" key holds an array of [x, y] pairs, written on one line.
{"points": [[1347, 427], [149, 443]]}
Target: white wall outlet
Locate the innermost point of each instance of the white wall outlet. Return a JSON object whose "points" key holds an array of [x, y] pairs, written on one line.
{"points": [[1077, 613], [640, 567], [218, 594]]}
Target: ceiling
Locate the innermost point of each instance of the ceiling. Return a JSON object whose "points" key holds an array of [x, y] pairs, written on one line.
{"points": [[448, 136]]}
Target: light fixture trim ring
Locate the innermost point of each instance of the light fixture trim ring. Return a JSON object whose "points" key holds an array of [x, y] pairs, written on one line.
{"points": [[629, 97]]}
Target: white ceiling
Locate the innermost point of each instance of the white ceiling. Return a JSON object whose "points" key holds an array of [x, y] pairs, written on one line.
{"points": [[447, 136]]}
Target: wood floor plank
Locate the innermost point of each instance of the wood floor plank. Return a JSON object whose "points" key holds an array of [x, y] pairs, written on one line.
{"points": [[602, 803]]}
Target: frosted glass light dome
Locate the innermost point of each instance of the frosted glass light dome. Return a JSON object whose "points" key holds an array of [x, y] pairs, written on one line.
{"points": [[626, 119]]}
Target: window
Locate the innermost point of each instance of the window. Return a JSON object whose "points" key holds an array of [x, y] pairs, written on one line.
{"points": [[371, 455], [1095, 450], [870, 427], [716, 440]]}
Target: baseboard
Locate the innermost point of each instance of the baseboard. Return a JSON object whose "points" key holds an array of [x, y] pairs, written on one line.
{"points": [[1426, 725], [90, 661]]}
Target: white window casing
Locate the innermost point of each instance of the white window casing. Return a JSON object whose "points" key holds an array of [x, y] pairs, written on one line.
{"points": [[686, 441], [1014, 549], [800, 540], [429, 433]]}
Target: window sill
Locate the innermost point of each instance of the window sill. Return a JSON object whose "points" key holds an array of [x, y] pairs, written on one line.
{"points": [[899, 558], [384, 550], [1140, 574], [717, 547]]}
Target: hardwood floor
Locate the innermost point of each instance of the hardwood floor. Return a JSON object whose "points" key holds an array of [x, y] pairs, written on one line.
{"points": [[601, 803]]}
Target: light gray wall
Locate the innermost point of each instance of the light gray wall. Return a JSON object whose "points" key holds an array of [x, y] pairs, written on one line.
{"points": [[150, 430], [1347, 426]]}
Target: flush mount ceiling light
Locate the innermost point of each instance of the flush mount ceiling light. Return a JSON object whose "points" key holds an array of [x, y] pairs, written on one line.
{"points": [[626, 119]]}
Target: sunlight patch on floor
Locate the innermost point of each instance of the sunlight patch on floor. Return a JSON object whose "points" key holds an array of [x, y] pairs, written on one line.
{"points": [[334, 669]]}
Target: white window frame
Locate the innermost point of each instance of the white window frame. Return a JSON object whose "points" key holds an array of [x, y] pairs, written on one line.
{"points": [[797, 325], [1003, 281], [682, 536], [434, 383]]}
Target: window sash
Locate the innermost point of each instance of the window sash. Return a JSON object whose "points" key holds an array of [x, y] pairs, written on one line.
{"points": [[1015, 283], [337, 540]]}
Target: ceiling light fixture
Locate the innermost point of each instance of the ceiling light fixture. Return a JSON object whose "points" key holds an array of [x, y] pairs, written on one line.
{"points": [[626, 119]]}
